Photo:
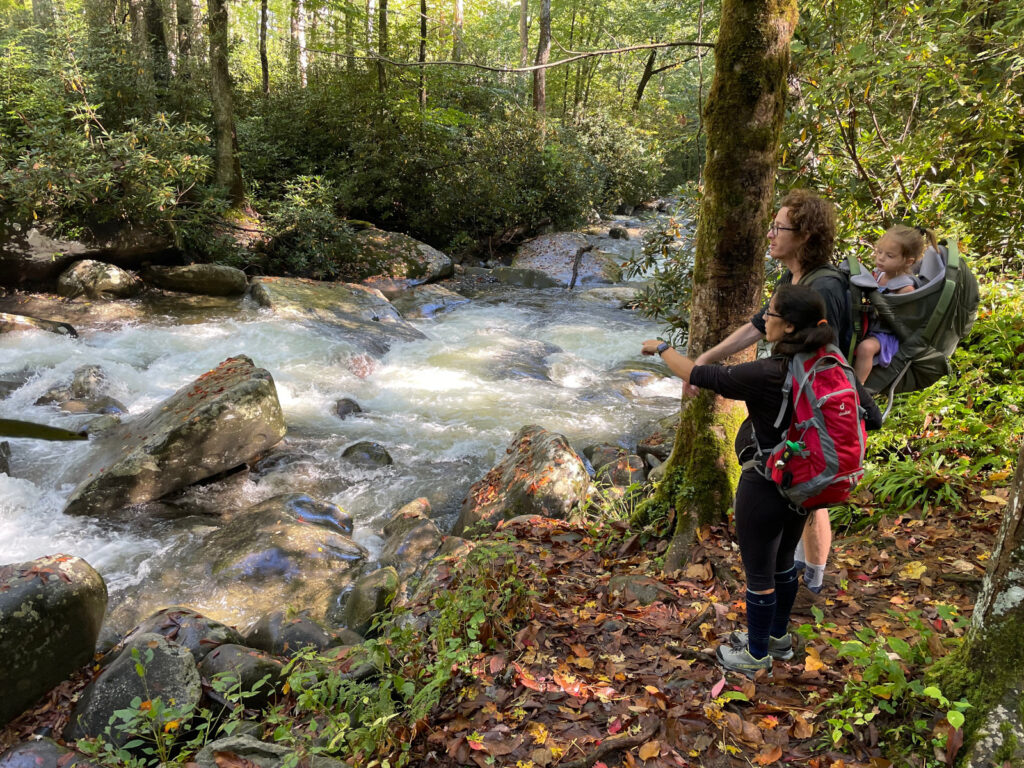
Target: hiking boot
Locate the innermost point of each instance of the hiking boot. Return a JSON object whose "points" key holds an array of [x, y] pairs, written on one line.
{"points": [[740, 660], [780, 648]]}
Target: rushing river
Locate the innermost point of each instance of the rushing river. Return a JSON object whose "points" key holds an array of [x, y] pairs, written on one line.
{"points": [[445, 407]]}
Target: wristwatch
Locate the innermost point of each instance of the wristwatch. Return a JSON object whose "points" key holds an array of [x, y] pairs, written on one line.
{"points": [[660, 349]]}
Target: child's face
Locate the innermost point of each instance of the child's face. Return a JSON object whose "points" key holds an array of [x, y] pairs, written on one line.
{"points": [[889, 257]]}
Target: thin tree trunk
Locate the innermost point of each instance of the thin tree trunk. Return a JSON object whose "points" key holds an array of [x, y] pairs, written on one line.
{"points": [[745, 114], [423, 54], [565, 81], [382, 45], [227, 169], [185, 33], [299, 41], [645, 78], [264, 63], [458, 19], [350, 39], [524, 37], [543, 56]]}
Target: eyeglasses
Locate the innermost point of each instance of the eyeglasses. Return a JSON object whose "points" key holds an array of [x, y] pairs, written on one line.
{"points": [[769, 313], [775, 228]]}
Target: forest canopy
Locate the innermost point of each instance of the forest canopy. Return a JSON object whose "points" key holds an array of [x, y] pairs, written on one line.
{"points": [[424, 117]]}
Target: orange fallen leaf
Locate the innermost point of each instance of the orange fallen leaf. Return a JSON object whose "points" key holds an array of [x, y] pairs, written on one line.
{"points": [[650, 750], [768, 755], [813, 662]]}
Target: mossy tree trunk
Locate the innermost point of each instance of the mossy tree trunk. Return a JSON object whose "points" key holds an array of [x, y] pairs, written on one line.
{"points": [[744, 116], [227, 168], [988, 669]]}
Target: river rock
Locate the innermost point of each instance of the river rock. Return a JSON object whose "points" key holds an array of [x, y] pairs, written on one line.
{"points": [[370, 595], [308, 509], [345, 407], [98, 281], [525, 278], [253, 671], [223, 419], [188, 629], [555, 255], [44, 753], [360, 314], [657, 440], [10, 322], [623, 471], [5, 458], [368, 454], [250, 752], [169, 672], [266, 557], [505, 358], [618, 233], [427, 301], [401, 260], [282, 635], [208, 279], [51, 610], [541, 475], [85, 394], [410, 539]]}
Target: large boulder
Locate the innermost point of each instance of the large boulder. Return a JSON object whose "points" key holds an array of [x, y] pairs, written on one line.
{"points": [[96, 280], [401, 261], [360, 314], [541, 474], [370, 595], [168, 672], [87, 393], [284, 635], [250, 752], [208, 279], [51, 610], [410, 539], [256, 673], [223, 419], [559, 256]]}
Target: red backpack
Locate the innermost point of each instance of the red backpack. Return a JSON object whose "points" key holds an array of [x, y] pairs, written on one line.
{"points": [[821, 456]]}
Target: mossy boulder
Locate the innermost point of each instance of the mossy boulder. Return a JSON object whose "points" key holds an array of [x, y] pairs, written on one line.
{"points": [[410, 539], [252, 670], [224, 418], [427, 301], [249, 751], [541, 474], [370, 595], [400, 260], [207, 279], [51, 610], [558, 256]]}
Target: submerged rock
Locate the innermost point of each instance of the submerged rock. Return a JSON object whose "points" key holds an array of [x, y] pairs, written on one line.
{"points": [[368, 454], [360, 313], [223, 419], [427, 301], [51, 610], [345, 407], [44, 753], [85, 394], [10, 322], [541, 475]]}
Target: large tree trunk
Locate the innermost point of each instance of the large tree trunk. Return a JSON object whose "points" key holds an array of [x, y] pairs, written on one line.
{"points": [[264, 63], [988, 668], [350, 39], [185, 33], [543, 55], [745, 112], [157, 42], [227, 169]]}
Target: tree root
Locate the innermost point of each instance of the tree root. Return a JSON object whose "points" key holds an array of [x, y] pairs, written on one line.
{"points": [[627, 741]]}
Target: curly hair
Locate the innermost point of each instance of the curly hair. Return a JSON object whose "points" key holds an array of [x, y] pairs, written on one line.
{"points": [[803, 307], [816, 218]]}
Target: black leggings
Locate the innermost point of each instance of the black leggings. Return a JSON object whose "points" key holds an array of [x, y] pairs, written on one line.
{"points": [[768, 529]]}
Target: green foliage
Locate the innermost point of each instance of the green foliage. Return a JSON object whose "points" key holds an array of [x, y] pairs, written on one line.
{"points": [[902, 486], [911, 112], [666, 262], [59, 161], [886, 692]]}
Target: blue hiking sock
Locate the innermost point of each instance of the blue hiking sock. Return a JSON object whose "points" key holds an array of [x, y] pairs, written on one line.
{"points": [[760, 610], [786, 585]]}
